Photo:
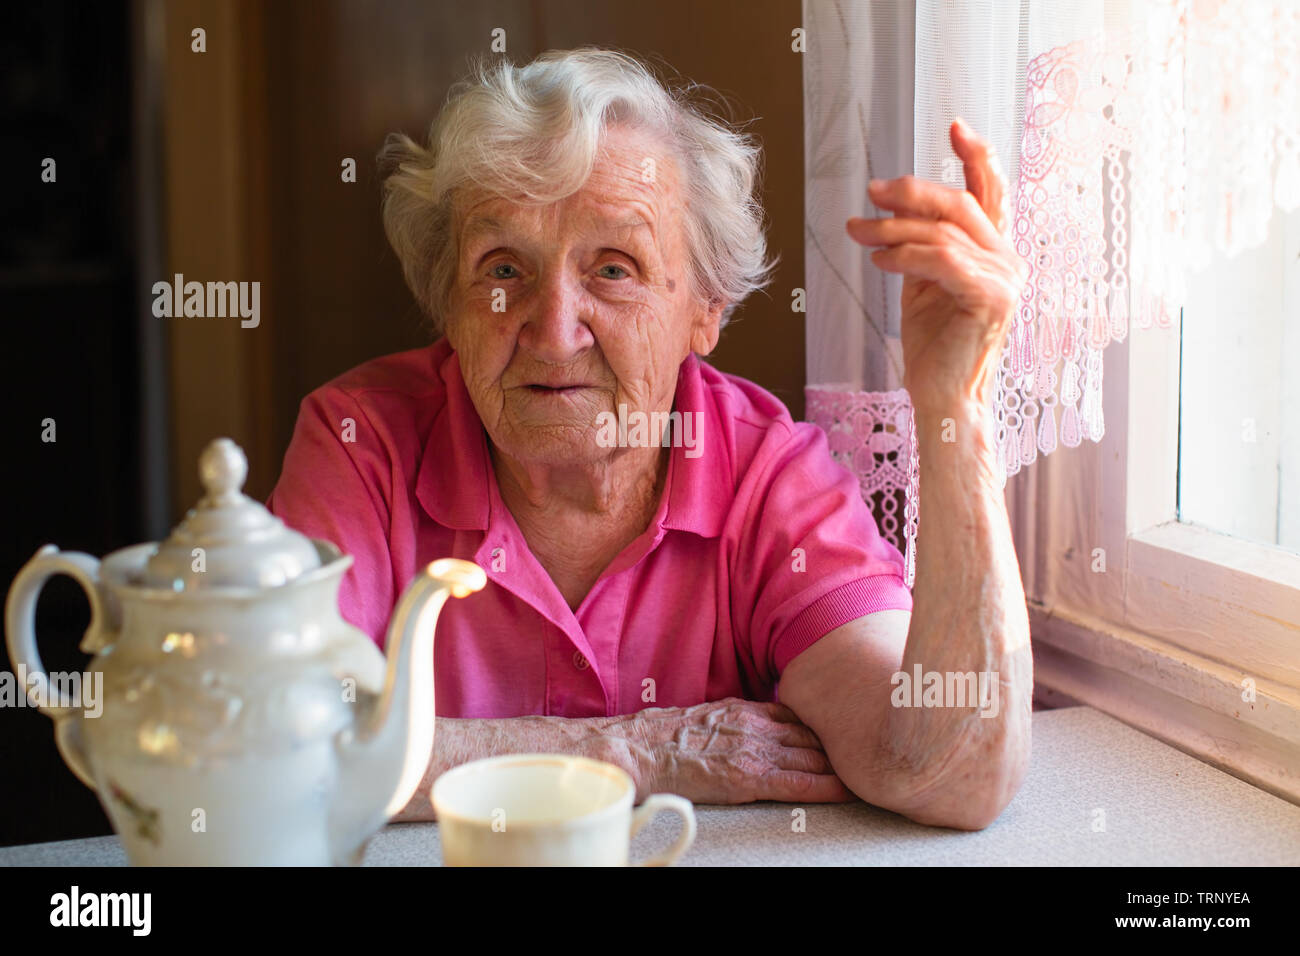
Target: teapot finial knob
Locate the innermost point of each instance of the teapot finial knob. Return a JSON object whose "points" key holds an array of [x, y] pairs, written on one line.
{"points": [[223, 468]]}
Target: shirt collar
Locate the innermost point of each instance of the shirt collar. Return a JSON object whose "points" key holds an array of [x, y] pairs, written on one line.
{"points": [[453, 483], [700, 488], [455, 480]]}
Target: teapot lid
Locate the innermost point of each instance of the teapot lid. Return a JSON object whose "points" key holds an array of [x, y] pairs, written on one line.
{"points": [[228, 540]]}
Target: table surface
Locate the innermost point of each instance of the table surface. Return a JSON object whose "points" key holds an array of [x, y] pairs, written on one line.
{"points": [[1098, 793]]}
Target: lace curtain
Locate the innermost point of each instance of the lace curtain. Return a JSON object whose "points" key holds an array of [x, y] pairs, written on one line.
{"points": [[1137, 136]]}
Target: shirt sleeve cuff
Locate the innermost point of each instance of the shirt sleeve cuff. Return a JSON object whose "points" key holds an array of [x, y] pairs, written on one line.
{"points": [[880, 592]]}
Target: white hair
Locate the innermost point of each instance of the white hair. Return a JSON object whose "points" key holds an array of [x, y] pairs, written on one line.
{"points": [[532, 134]]}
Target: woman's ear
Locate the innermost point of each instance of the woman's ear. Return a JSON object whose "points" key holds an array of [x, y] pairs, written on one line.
{"points": [[707, 328]]}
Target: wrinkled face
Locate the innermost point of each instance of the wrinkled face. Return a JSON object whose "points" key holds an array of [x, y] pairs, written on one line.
{"points": [[559, 313]]}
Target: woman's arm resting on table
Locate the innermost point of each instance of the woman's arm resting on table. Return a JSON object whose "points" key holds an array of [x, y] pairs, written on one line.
{"points": [[726, 751]]}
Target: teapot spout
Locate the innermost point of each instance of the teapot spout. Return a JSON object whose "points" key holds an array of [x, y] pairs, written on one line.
{"points": [[385, 755]]}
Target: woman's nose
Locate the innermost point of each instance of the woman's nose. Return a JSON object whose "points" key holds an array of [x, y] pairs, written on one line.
{"points": [[556, 326]]}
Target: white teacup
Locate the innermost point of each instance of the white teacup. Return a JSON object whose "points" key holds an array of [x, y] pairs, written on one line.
{"points": [[547, 810]]}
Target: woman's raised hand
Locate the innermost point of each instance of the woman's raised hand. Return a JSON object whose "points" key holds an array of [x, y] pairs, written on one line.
{"points": [[962, 278]]}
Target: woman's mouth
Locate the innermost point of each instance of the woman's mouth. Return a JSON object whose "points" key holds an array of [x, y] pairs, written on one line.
{"points": [[555, 389]]}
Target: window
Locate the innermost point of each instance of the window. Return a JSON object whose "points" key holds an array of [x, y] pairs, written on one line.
{"points": [[1239, 435], [1188, 629]]}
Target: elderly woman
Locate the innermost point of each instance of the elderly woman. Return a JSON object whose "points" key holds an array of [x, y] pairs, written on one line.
{"points": [[579, 235]]}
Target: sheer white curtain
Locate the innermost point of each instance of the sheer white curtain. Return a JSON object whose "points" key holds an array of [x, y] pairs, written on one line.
{"points": [[1136, 135]]}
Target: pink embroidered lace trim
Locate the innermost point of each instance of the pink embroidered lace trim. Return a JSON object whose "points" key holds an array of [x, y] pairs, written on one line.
{"points": [[1144, 150], [873, 435]]}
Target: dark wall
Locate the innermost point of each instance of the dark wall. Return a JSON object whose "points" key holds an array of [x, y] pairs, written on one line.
{"points": [[70, 354]]}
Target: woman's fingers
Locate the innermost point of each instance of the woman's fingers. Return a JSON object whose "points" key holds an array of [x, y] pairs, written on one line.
{"points": [[796, 735], [893, 230], [940, 264], [973, 153], [795, 786], [804, 759], [979, 164], [969, 275], [977, 209], [910, 196]]}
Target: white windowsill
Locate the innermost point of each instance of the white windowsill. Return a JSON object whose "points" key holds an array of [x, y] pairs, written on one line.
{"points": [[1189, 701]]}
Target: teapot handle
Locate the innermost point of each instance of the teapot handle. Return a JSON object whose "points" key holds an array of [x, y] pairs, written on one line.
{"points": [[20, 634]]}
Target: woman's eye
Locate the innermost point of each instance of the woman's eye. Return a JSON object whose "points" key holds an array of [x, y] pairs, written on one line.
{"points": [[496, 275], [616, 267]]}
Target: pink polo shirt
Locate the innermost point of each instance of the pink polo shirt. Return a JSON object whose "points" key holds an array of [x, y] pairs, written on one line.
{"points": [[760, 546]]}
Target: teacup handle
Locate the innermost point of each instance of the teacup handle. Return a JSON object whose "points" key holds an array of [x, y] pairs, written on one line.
{"points": [[672, 803]]}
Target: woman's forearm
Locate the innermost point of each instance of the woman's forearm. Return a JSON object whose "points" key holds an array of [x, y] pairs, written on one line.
{"points": [[969, 617], [458, 741]]}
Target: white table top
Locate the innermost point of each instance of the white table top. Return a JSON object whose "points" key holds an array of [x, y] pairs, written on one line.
{"points": [[1160, 806]]}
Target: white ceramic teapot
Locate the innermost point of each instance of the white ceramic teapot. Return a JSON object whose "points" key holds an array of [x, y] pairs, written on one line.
{"points": [[242, 720]]}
